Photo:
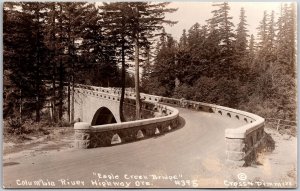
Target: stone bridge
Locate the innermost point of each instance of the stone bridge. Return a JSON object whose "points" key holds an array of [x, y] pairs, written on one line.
{"points": [[97, 109]]}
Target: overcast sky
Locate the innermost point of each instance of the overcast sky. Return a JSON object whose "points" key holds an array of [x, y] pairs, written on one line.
{"points": [[189, 13]]}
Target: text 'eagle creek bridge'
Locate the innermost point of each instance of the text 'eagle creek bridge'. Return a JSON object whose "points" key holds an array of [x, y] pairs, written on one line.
{"points": [[98, 109]]}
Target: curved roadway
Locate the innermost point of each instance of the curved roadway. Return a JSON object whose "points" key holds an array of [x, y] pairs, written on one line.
{"points": [[196, 149]]}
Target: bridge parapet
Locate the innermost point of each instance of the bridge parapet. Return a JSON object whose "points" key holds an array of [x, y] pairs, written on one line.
{"points": [[87, 136], [243, 143], [117, 92]]}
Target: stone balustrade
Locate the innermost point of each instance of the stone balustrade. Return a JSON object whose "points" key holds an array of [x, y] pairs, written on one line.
{"points": [[242, 144], [87, 136], [117, 92]]}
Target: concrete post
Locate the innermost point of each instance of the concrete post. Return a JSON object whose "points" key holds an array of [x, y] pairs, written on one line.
{"points": [[82, 135], [235, 151]]}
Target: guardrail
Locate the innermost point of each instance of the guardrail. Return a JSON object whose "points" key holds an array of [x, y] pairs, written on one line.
{"points": [[242, 144], [281, 123], [283, 126]]}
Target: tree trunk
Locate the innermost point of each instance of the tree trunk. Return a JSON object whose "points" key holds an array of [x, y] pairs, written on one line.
{"points": [[293, 38], [122, 82], [137, 77], [61, 87], [73, 77], [37, 110], [37, 72], [73, 99], [69, 101], [21, 104], [53, 100], [53, 64], [61, 72], [70, 64]]}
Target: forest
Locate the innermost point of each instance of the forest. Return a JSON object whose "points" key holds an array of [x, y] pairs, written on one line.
{"points": [[50, 46], [216, 62]]}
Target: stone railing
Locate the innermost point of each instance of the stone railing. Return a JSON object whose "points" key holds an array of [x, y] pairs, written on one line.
{"points": [[117, 92], [87, 136], [113, 95], [243, 143]]}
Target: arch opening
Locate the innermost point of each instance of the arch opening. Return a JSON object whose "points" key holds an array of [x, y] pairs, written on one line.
{"points": [[103, 116]]}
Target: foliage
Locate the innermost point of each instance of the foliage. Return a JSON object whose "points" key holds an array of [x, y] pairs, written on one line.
{"points": [[50, 45], [211, 63]]}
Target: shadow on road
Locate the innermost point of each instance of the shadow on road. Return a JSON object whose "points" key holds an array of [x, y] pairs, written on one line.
{"points": [[10, 163]]}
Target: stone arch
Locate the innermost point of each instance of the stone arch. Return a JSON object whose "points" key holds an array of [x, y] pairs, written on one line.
{"points": [[103, 116]]}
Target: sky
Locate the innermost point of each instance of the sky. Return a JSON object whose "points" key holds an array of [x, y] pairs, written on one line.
{"points": [[189, 13]]}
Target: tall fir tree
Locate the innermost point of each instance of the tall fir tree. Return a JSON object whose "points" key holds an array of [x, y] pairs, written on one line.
{"points": [[146, 19], [262, 40], [50, 41], [252, 51], [241, 41], [270, 41], [222, 21], [183, 40], [116, 18]]}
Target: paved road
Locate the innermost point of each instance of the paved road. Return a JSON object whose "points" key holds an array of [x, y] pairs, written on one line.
{"points": [[180, 158]]}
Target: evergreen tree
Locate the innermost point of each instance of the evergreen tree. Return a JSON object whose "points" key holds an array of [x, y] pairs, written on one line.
{"points": [[146, 19], [285, 44], [183, 40], [193, 59], [252, 46], [165, 68], [270, 44], [241, 36], [29, 70], [262, 40], [222, 23], [225, 26], [98, 49], [251, 55], [241, 59], [13, 33], [117, 21], [50, 41], [284, 72]]}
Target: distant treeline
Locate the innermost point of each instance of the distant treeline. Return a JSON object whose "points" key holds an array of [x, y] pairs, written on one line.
{"points": [[219, 63]]}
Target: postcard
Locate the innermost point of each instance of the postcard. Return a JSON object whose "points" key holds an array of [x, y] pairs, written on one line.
{"points": [[149, 94]]}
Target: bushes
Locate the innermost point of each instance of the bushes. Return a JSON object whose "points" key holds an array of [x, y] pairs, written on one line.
{"points": [[14, 129], [260, 96], [13, 126]]}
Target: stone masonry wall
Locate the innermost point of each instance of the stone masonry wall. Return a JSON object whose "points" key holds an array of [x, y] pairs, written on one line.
{"points": [[89, 137], [240, 150], [243, 151]]}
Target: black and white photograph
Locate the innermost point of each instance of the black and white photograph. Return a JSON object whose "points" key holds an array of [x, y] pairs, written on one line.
{"points": [[149, 94]]}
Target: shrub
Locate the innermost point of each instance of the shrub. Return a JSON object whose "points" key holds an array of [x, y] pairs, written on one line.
{"points": [[14, 126]]}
